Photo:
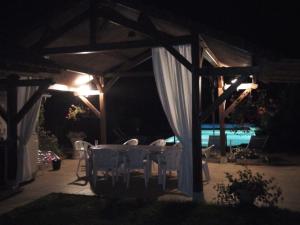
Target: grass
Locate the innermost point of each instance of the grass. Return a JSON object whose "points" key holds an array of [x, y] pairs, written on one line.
{"points": [[61, 209]]}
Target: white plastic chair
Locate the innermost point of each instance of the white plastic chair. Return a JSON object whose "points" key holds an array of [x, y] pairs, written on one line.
{"points": [[206, 151], [205, 170], [105, 160], [159, 142], [133, 141], [83, 148], [168, 161], [136, 159]]}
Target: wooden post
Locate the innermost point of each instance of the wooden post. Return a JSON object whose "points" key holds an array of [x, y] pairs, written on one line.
{"points": [[103, 135], [12, 124], [221, 119], [196, 126]]}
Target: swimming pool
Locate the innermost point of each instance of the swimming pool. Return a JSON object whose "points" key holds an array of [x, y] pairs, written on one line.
{"points": [[236, 134]]}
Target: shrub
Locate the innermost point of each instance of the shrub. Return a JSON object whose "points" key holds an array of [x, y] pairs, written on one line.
{"points": [[48, 141], [248, 189]]}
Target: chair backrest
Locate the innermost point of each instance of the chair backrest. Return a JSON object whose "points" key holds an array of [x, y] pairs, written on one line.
{"points": [[257, 142], [133, 141], [206, 151], [215, 140], [171, 158], [82, 146], [105, 159], [134, 158], [159, 142]]}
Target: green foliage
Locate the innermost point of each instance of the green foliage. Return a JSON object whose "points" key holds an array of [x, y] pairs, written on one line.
{"points": [[242, 153], [74, 112], [73, 135], [259, 108], [47, 140], [248, 189]]}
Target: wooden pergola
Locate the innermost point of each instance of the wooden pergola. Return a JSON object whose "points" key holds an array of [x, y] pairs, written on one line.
{"points": [[106, 39]]}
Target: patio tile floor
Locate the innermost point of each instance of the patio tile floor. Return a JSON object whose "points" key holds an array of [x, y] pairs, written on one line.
{"points": [[64, 181]]}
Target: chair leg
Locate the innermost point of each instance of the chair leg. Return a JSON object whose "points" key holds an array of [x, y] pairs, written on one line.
{"points": [[159, 175], [78, 167], [164, 178], [146, 176], [127, 178], [206, 171], [113, 177], [95, 178]]}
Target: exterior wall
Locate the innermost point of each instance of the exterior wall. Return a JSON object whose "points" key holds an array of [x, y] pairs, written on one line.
{"points": [[33, 146]]}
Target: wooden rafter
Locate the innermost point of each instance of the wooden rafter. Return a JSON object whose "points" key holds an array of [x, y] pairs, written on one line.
{"points": [[44, 41], [103, 47], [234, 104], [90, 105], [226, 94], [33, 99], [3, 113], [24, 83], [111, 83], [146, 27], [130, 74], [131, 63]]}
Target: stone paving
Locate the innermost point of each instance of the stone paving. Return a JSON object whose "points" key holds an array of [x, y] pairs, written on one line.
{"points": [[64, 181]]}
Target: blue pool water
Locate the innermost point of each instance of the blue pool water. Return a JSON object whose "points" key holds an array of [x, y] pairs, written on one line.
{"points": [[236, 135]]}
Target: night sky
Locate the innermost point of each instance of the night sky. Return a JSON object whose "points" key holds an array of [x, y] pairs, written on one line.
{"points": [[133, 104]]}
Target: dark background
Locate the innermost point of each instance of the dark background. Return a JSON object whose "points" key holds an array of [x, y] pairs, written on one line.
{"points": [[133, 105]]}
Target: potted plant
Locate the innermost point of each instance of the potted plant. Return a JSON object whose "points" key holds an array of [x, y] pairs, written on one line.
{"points": [[248, 189]]}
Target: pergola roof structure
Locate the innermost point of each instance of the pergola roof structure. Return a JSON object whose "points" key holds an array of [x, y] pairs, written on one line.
{"points": [[72, 41], [106, 38], [98, 39]]}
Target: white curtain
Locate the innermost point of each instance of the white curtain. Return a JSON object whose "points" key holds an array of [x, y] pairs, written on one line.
{"points": [[174, 84], [25, 129]]}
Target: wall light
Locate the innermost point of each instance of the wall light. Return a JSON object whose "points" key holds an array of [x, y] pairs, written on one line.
{"points": [[82, 79]]}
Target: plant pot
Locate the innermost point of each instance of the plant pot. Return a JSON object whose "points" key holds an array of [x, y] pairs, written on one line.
{"points": [[56, 164]]}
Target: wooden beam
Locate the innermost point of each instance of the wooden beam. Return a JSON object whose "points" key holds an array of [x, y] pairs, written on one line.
{"points": [[104, 47], [33, 99], [130, 74], [229, 71], [196, 126], [90, 105], [226, 94], [3, 113], [11, 67], [46, 40], [163, 39], [129, 64], [12, 130], [234, 104], [111, 83], [222, 119], [24, 83], [146, 27]]}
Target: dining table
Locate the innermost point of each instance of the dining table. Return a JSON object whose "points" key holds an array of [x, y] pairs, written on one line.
{"points": [[153, 150]]}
